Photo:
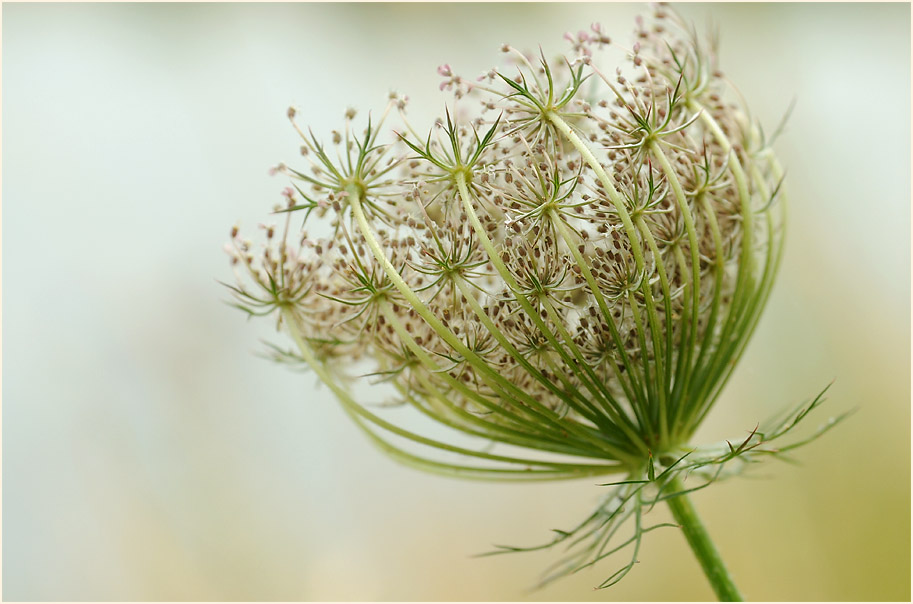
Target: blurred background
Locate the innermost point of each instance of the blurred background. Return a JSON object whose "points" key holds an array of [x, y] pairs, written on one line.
{"points": [[149, 454]]}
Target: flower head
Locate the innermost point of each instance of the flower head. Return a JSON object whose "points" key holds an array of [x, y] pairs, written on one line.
{"points": [[570, 263]]}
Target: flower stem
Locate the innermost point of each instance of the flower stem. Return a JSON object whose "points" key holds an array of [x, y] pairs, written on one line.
{"points": [[702, 546]]}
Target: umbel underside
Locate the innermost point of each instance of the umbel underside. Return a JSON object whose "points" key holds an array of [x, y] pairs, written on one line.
{"points": [[563, 270]]}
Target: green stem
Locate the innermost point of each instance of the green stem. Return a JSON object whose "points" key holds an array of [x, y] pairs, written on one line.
{"points": [[701, 545]]}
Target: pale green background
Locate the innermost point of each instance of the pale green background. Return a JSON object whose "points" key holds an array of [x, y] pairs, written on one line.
{"points": [[148, 454]]}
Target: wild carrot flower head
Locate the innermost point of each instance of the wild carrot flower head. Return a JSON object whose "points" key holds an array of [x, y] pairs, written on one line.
{"points": [[568, 264]]}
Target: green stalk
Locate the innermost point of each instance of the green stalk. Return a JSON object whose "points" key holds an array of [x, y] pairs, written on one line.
{"points": [[701, 545]]}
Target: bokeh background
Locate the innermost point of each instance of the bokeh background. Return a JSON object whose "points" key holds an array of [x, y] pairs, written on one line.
{"points": [[149, 454]]}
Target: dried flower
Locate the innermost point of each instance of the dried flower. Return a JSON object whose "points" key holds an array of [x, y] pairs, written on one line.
{"points": [[573, 270]]}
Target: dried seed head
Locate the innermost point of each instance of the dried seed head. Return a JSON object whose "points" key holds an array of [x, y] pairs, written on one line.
{"points": [[656, 216], [561, 274]]}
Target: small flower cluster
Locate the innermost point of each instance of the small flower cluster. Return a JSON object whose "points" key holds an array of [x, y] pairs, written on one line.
{"points": [[570, 262]]}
